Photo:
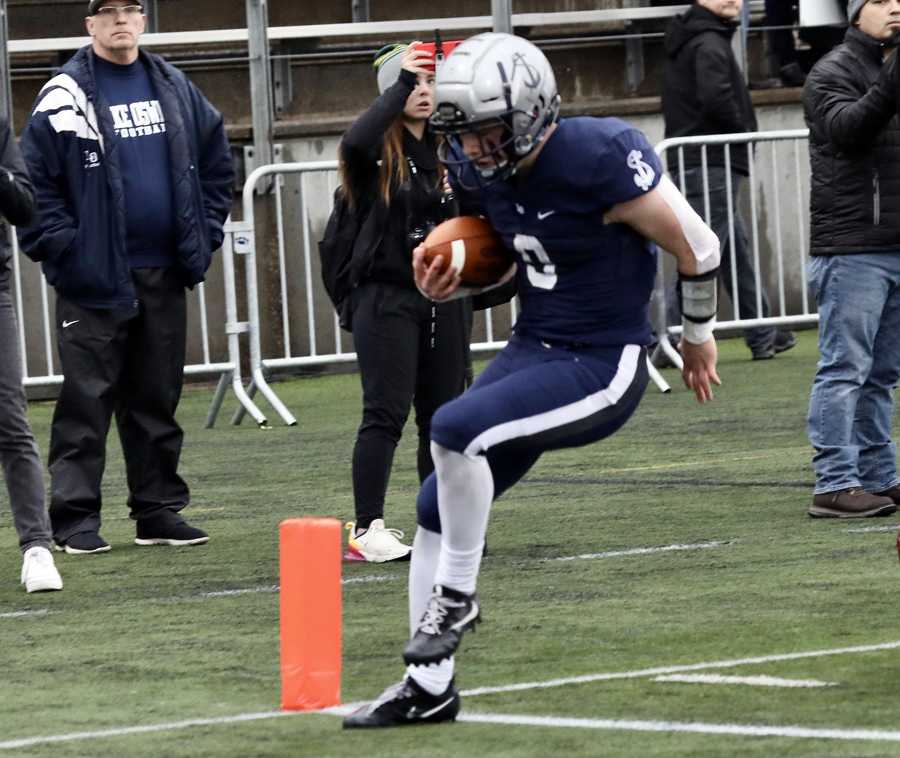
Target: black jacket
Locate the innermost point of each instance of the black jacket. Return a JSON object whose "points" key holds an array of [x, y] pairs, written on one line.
{"points": [[383, 251], [71, 150], [704, 91], [16, 194], [850, 103]]}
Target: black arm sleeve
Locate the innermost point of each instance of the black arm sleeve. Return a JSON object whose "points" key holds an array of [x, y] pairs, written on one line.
{"points": [[365, 134], [16, 192]]}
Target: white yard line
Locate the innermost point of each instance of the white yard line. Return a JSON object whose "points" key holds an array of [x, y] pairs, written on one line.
{"points": [[149, 728], [20, 614], [586, 678], [753, 681], [748, 730], [864, 529], [271, 588], [641, 551], [649, 726], [242, 591]]}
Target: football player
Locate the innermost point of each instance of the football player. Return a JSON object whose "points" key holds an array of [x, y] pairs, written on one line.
{"points": [[584, 203]]}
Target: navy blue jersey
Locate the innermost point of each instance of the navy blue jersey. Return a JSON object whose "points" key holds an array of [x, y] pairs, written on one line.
{"points": [[580, 281]]}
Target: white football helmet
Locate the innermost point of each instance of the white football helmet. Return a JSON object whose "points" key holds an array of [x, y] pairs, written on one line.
{"points": [[489, 80]]}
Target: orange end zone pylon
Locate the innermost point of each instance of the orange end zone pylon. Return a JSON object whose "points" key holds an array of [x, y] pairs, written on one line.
{"points": [[310, 553]]}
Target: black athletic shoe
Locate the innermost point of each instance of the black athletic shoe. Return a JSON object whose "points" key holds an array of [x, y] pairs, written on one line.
{"points": [[405, 704], [168, 528], [448, 615], [83, 543]]}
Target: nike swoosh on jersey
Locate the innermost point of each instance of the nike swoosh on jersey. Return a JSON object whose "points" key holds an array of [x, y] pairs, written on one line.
{"points": [[545, 214], [67, 324]]}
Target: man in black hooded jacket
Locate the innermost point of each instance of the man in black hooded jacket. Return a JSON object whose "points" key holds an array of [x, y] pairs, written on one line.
{"points": [[704, 92]]}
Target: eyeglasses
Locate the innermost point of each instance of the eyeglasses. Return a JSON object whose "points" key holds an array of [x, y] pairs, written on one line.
{"points": [[113, 11]]}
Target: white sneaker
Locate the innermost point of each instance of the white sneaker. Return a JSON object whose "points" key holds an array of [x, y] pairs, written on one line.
{"points": [[39, 573], [378, 544]]}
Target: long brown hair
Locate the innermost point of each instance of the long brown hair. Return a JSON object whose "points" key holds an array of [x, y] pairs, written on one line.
{"points": [[393, 169]]}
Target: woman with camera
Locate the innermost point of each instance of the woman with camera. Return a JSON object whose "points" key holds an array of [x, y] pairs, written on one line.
{"points": [[411, 352]]}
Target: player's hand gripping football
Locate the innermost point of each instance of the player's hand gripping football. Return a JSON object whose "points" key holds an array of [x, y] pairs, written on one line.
{"points": [[431, 282], [699, 372]]}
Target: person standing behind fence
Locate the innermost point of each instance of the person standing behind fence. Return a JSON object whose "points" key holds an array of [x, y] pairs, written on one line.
{"points": [[18, 451], [133, 181], [704, 92], [850, 102], [410, 351]]}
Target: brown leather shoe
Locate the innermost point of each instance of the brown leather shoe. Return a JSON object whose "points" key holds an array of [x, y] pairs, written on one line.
{"points": [[851, 503], [892, 492]]}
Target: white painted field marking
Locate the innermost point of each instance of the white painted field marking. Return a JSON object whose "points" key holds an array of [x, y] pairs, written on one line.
{"points": [[748, 730], [657, 726], [753, 681], [864, 529], [242, 591], [587, 678], [20, 614], [641, 551], [274, 587], [149, 728]]}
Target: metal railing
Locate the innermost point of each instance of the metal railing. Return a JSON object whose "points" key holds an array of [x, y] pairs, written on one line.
{"points": [[300, 296], [208, 352], [778, 184], [471, 24]]}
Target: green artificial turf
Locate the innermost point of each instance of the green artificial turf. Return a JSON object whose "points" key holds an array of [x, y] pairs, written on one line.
{"points": [[136, 638]]}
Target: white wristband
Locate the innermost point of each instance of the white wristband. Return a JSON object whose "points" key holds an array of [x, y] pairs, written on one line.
{"points": [[696, 333]]}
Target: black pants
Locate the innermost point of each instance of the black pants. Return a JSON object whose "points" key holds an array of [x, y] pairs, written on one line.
{"points": [[411, 352], [129, 362]]}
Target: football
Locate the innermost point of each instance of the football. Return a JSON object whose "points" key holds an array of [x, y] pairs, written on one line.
{"points": [[472, 247]]}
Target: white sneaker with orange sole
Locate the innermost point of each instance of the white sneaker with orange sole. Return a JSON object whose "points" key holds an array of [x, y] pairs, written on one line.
{"points": [[377, 544]]}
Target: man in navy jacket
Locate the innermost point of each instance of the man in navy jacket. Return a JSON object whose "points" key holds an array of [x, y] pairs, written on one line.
{"points": [[133, 181]]}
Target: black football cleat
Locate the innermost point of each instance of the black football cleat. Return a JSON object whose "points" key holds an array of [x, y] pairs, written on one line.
{"points": [[448, 615], [405, 704]]}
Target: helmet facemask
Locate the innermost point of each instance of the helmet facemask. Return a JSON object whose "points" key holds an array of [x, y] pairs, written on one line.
{"points": [[504, 141]]}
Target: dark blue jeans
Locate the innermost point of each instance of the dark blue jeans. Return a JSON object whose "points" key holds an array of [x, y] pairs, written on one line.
{"points": [[757, 337]]}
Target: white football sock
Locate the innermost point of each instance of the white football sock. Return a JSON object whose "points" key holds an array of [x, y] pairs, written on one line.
{"points": [[422, 568], [465, 489], [434, 679]]}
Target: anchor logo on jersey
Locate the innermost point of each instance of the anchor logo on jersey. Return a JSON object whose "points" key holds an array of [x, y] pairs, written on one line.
{"points": [[643, 171]]}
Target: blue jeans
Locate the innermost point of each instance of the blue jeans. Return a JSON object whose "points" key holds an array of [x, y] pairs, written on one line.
{"points": [[852, 401], [757, 337]]}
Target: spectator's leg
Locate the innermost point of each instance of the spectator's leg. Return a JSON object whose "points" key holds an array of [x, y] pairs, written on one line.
{"points": [[441, 375], [149, 394], [851, 294], [18, 452], [875, 409], [91, 347], [386, 334]]}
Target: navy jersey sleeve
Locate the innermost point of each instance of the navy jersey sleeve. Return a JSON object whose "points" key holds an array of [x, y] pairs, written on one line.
{"points": [[626, 168]]}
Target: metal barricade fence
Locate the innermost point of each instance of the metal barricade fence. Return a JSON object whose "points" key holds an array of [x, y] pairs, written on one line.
{"points": [[309, 188], [209, 354], [302, 202], [778, 185]]}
